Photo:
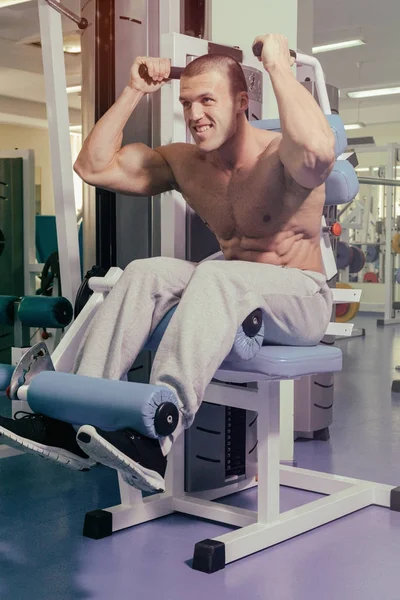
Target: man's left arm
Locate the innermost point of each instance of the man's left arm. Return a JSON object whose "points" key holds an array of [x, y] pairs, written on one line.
{"points": [[307, 145]]}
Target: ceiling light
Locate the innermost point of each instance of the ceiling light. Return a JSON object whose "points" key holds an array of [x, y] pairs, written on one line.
{"points": [[4, 3], [337, 46], [376, 169], [372, 93], [352, 126], [72, 43], [74, 89], [72, 48], [75, 128]]}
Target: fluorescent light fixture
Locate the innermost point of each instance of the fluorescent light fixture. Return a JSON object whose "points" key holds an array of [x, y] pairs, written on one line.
{"points": [[4, 3], [74, 89], [337, 46], [372, 93], [72, 43], [75, 128], [375, 169], [71, 48], [352, 126]]}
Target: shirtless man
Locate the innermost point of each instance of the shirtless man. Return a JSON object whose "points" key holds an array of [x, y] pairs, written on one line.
{"points": [[261, 193]]}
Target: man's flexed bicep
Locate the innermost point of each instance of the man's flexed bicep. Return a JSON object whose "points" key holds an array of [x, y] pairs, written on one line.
{"points": [[137, 170]]}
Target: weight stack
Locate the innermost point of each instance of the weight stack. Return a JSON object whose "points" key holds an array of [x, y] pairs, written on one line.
{"points": [[220, 447]]}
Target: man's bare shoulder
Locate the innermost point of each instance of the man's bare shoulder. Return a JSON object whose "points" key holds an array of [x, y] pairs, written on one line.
{"points": [[270, 139], [172, 153], [179, 157]]}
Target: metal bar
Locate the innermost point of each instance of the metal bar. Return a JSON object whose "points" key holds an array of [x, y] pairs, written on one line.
{"points": [[58, 118], [389, 278], [311, 61], [341, 212], [378, 181], [63, 10], [268, 451]]}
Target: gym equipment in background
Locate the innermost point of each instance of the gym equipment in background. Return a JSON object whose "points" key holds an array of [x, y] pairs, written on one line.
{"points": [[12, 246]]}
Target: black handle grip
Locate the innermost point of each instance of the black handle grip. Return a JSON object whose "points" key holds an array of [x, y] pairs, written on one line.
{"points": [[257, 50], [175, 72]]}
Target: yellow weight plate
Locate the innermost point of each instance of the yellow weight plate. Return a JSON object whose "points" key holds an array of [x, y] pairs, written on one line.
{"points": [[396, 243], [353, 306]]}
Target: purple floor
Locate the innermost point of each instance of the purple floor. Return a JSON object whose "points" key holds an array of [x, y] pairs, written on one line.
{"points": [[43, 555]]}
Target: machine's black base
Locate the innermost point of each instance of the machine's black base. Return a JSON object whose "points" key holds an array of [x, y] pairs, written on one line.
{"points": [[209, 556], [395, 499], [396, 386], [322, 435], [98, 524]]}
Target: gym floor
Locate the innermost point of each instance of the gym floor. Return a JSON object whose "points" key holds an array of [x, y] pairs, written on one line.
{"points": [[44, 557]]}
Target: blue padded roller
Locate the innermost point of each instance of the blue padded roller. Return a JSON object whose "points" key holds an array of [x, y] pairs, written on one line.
{"points": [[342, 184], [44, 311], [334, 121], [244, 346], [104, 403], [6, 372]]}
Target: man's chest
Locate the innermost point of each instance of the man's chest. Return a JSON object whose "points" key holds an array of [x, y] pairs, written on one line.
{"points": [[251, 204]]}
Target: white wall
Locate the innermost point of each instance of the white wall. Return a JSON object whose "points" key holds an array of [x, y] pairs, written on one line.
{"points": [[305, 26], [37, 139], [31, 138], [238, 22]]}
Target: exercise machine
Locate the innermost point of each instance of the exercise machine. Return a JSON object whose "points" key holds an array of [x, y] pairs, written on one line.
{"points": [[249, 385]]}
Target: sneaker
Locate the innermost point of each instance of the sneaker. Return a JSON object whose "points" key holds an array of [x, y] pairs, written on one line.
{"points": [[50, 438], [137, 458]]}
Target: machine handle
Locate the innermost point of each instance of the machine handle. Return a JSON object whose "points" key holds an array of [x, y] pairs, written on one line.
{"points": [[175, 72], [257, 50]]}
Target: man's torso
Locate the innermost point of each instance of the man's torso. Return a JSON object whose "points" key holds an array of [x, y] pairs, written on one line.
{"points": [[258, 213]]}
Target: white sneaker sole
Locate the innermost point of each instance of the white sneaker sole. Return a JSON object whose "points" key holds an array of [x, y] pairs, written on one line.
{"points": [[58, 455], [105, 453]]}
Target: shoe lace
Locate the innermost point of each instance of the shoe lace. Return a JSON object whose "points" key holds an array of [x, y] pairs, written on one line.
{"points": [[26, 415]]}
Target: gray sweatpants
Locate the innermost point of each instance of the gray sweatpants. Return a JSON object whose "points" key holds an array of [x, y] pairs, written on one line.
{"points": [[214, 299]]}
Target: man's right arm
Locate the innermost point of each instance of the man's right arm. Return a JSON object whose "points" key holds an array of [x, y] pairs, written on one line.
{"points": [[134, 169]]}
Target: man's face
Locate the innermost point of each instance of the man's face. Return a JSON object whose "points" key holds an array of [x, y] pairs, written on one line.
{"points": [[209, 109]]}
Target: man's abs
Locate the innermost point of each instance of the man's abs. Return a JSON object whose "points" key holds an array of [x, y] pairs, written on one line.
{"points": [[294, 251]]}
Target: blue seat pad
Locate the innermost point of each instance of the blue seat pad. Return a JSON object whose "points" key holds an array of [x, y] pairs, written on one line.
{"points": [[282, 362]]}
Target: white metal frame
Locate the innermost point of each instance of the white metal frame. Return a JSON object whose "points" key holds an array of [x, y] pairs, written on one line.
{"points": [[60, 146], [267, 526], [262, 528], [391, 316]]}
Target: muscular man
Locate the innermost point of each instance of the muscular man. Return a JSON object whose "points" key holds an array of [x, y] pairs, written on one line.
{"points": [[261, 193]]}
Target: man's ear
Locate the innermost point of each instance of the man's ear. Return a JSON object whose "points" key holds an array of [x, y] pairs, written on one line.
{"points": [[243, 101]]}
